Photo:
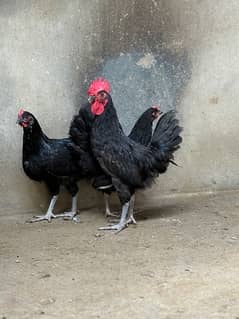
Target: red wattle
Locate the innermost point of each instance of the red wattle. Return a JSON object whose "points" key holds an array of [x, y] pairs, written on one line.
{"points": [[24, 124], [97, 108]]}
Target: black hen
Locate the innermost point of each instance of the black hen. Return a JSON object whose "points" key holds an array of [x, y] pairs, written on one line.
{"points": [[79, 133], [51, 161], [141, 133], [130, 164]]}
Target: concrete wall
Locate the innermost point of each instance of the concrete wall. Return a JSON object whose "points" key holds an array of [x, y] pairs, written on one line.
{"points": [[179, 53]]}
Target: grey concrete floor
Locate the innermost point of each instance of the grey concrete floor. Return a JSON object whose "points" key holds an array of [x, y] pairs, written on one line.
{"points": [[180, 261]]}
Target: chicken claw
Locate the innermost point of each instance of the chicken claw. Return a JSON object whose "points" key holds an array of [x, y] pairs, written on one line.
{"points": [[110, 214], [130, 220], [123, 221], [67, 215], [72, 214], [40, 218], [49, 214], [118, 227]]}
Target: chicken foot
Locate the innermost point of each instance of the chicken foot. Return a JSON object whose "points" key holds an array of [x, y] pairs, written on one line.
{"points": [[131, 219], [123, 220], [49, 214], [72, 214]]}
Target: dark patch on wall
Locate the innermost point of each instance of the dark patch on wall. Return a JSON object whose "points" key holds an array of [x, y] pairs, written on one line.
{"points": [[139, 81], [142, 80], [140, 57], [135, 88]]}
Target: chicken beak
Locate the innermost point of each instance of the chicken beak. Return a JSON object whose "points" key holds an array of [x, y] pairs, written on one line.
{"points": [[18, 121], [91, 99]]}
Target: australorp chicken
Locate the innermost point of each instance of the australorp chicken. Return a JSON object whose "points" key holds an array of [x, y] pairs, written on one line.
{"points": [[80, 134], [140, 133], [130, 164], [51, 161]]}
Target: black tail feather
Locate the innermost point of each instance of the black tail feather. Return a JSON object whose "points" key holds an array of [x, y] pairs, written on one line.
{"points": [[165, 141]]}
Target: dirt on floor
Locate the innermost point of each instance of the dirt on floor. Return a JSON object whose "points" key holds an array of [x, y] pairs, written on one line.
{"points": [[180, 261]]}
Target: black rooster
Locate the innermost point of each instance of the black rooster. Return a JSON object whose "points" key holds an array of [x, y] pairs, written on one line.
{"points": [[80, 134], [50, 160], [141, 133], [131, 165]]}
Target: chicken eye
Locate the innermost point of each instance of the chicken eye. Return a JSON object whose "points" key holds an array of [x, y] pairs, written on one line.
{"points": [[30, 120], [102, 94]]}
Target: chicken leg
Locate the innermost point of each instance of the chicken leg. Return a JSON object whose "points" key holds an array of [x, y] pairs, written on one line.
{"points": [[130, 215], [123, 220], [131, 218], [108, 212], [49, 214], [72, 214]]}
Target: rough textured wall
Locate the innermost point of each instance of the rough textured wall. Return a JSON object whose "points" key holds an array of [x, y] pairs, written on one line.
{"points": [[181, 54]]}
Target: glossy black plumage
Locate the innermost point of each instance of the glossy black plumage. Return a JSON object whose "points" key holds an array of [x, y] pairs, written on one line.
{"points": [[49, 160], [130, 164], [142, 130], [140, 133], [79, 133]]}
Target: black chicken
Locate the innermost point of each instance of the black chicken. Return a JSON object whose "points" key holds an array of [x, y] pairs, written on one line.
{"points": [[130, 164], [53, 161], [141, 133], [80, 134]]}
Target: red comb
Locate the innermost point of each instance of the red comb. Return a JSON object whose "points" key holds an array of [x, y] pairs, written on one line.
{"points": [[156, 107], [97, 85], [20, 112]]}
